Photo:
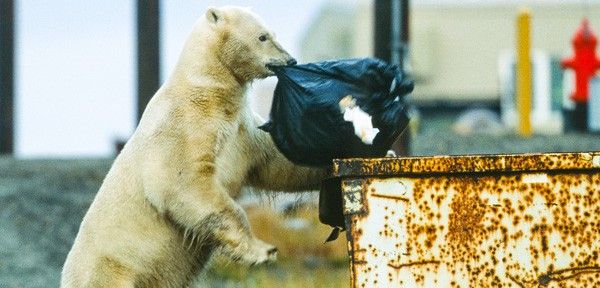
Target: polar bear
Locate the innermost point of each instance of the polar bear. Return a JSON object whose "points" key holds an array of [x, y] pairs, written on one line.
{"points": [[166, 204]]}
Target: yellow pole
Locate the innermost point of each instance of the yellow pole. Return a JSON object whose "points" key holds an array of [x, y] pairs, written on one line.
{"points": [[524, 77]]}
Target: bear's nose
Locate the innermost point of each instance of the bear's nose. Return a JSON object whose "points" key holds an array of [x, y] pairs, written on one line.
{"points": [[292, 62]]}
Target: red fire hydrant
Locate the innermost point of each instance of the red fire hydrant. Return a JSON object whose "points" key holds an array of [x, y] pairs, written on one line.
{"points": [[584, 63]]}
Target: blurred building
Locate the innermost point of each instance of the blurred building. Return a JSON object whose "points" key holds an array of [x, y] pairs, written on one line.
{"points": [[455, 48]]}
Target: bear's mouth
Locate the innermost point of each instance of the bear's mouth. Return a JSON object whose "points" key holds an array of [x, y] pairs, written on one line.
{"points": [[271, 69], [274, 65]]}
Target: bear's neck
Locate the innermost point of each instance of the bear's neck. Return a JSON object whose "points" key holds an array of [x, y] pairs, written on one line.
{"points": [[206, 70], [203, 77], [201, 61]]}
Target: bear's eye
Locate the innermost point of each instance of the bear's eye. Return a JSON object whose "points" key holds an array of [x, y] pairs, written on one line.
{"points": [[262, 38]]}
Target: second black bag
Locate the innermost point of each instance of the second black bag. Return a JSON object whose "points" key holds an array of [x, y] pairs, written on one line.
{"points": [[306, 122]]}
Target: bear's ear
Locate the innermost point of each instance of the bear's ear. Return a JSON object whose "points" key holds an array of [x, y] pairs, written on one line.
{"points": [[213, 15]]}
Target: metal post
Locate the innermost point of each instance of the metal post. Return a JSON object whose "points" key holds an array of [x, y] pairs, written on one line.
{"points": [[148, 52], [396, 37], [405, 6], [383, 12], [7, 61], [391, 30], [524, 73], [391, 36]]}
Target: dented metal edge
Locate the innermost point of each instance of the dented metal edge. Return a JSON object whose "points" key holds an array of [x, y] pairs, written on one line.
{"points": [[353, 196], [354, 204], [351, 253], [466, 164]]}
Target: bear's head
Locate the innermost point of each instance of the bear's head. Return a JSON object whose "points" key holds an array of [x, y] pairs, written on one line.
{"points": [[245, 46]]}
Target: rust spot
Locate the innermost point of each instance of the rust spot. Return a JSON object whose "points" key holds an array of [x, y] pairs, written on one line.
{"points": [[465, 220]]}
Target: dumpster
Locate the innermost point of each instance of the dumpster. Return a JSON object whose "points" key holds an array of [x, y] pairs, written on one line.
{"points": [[530, 220]]}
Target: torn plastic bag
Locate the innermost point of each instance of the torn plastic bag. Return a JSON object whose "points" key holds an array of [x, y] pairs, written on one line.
{"points": [[307, 121]]}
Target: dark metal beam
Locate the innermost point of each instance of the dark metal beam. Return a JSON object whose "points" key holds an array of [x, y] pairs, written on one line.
{"points": [[383, 35], [405, 21], [384, 29], [7, 61], [385, 47], [148, 52]]}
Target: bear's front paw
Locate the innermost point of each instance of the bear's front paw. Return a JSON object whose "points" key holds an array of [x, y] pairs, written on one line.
{"points": [[260, 252]]}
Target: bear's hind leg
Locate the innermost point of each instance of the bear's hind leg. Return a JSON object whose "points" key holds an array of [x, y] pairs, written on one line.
{"points": [[109, 273]]}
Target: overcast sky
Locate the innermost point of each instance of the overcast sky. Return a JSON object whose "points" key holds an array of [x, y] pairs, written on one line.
{"points": [[75, 64]]}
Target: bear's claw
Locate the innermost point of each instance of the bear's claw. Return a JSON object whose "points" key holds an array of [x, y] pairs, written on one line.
{"points": [[259, 252]]}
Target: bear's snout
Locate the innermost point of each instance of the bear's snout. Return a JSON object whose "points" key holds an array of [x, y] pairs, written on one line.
{"points": [[281, 62]]}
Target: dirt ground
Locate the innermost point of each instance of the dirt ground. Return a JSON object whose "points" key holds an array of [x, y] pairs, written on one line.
{"points": [[42, 202]]}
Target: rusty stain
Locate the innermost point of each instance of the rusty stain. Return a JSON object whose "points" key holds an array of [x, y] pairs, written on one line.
{"points": [[466, 164], [474, 221], [466, 219]]}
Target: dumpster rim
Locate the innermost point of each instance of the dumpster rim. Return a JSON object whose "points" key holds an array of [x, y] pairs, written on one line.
{"points": [[477, 163]]}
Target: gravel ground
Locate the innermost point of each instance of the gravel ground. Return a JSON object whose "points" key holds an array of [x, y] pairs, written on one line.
{"points": [[42, 204], [42, 201], [437, 138]]}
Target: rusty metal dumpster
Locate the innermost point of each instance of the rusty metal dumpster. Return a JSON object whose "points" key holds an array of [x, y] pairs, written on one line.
{"points": [[529, 220]]}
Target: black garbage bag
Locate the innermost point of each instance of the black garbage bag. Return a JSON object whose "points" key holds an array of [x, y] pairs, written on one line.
{"points": [[306, 122]]}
